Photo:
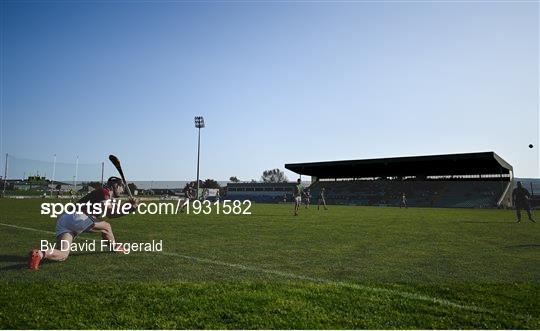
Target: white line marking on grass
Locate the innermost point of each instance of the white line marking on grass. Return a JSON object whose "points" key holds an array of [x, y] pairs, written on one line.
{"points": [[407, 295], [23, 228], [403, 294]]}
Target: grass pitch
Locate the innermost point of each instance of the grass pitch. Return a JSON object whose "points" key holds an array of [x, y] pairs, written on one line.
{"points": [[348, 267]]}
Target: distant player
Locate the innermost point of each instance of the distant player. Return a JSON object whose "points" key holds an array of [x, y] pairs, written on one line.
{"points": [[520, 199], [218, 196], [188, 195], [69, 226], [298, 191], [403, 202], [307, 195], [322, 199]]}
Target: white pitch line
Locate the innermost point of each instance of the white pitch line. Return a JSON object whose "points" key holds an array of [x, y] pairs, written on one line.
{"points": [[407, 295], [403, 294], [28, 229]]}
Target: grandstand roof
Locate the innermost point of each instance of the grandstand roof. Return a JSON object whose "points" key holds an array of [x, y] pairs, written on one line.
{"points": [[430, 165]]}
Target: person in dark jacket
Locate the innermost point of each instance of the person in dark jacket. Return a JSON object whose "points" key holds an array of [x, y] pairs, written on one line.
{"points": [[520, 199]]}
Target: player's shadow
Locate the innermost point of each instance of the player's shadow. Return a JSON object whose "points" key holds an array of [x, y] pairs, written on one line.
{"points": [[19, 266], [488, 222], [14, 258], [23, 260], [523, 246], [90, 253]]}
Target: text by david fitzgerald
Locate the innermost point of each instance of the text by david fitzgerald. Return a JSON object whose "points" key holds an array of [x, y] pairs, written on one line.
{"points": [[103, 246]]}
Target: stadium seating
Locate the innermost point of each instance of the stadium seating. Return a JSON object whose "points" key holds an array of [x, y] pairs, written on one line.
{"points": [[260, 192], [459, 194]]}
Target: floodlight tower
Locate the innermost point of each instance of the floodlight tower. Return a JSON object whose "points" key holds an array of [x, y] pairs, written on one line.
{"points": [[199, 124]]}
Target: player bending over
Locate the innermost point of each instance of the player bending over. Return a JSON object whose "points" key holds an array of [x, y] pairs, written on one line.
{"points": [[298, 190], [321, 199], [69, 226]]}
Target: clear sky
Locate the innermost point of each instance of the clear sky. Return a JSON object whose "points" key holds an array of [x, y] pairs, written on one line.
{"points": [[276, 82]]}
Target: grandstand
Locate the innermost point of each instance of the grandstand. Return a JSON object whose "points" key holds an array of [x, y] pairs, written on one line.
{"points": [[471, 180], [260, 192]]}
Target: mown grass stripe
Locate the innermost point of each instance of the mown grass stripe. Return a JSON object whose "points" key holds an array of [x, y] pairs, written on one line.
{"points": [[403, 294]]}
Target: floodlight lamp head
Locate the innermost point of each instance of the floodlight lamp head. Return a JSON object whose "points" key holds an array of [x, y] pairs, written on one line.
{"points": [[199, 122]]}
